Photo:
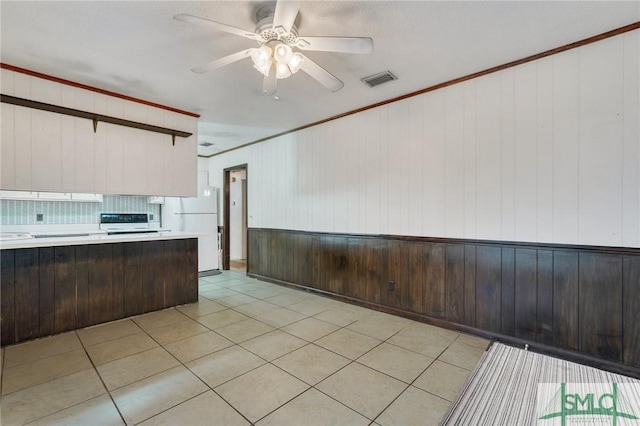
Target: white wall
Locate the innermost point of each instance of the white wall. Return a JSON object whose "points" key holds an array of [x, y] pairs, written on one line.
{"points": [[548, 151], [236, 234]]}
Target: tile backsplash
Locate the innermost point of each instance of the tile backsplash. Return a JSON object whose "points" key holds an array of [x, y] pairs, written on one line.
{"points": [[18, 212]]}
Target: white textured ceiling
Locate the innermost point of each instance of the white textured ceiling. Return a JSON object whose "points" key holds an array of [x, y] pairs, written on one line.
{"points": [[137, 49]]}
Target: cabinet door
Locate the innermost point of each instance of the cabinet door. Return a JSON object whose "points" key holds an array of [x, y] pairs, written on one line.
{"points": [[156, 145], [46, 163], [22, 135], [91, 198], [84, 145], [54, 196], [7, 147], [45, 138], [68, 142], [167, 151], [7, 138], [18, 195], [185, 159], [135, 161], [115, 148], [7, 82], [100, 140], [22, 148]]}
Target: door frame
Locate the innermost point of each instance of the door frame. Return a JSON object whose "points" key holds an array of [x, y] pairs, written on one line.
{"points": [[226, 220]]}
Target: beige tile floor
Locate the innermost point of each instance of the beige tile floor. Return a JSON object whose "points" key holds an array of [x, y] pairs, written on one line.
{"points": [[248, 352]]}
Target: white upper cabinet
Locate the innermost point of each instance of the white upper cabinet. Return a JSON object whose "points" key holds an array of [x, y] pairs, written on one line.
{"points": [[50, 196], [18, 195], [89, 198], [46, 151], [184, 158], [7, 155], [54, 196]]}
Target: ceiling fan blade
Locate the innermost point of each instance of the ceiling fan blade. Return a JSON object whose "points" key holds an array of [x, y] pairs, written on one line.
{"points": [[323, 76], [269, 83], [336, 44], [214, 65], [215, 25], [285, 14]]}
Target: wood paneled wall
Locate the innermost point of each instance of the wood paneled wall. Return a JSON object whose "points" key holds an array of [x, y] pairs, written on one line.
{"points": [[575, 298], [49, 290]]}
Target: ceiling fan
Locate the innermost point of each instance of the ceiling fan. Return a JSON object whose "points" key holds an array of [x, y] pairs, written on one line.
{"points": [[276, 56]]}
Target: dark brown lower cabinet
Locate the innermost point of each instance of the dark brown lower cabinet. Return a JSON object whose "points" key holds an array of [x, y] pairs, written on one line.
{"points": [[579, 300], [49, 290]]}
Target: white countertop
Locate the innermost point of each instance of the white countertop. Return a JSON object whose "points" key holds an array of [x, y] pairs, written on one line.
{"points": [[100, 238]]}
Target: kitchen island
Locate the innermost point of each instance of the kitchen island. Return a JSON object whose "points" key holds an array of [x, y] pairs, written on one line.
{"points": [[52, 285]]}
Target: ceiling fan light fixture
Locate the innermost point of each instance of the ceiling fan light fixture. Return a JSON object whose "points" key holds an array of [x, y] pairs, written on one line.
{"points": [[285, 61], [264, 70], [282, 53], [295, 62], [282, 70], [261, 58]]}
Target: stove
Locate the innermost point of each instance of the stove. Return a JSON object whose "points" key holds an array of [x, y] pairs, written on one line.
{"points": [[125, 223]]}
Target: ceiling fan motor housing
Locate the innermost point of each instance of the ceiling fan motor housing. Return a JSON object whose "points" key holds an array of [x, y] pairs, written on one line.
{"points": [[266, 33]]}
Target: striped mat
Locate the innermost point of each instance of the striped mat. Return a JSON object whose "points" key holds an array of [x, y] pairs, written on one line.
{"points": [[504, 390]]}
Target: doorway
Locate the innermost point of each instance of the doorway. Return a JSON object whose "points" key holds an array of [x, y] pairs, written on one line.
{"points": [[234, 247]]}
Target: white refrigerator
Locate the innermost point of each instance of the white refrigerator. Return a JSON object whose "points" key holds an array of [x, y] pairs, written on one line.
{"points": [[199, 215]]}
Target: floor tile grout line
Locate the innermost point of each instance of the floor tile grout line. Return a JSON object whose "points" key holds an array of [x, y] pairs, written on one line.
{"points": [[125, 356], [95, 368], [389, 375], [227, 381], [168, 309], [335, 331], [232, 407], [282, 405], [453, 365], [412, 382], [151, 375], [96, 326], [351, 361], [167, 409], [281, 327], [314, 386], [428, 366], [335, 399], [191, 372], [38, 339], [390, 403], [239, 344], [42, 383], [71, 406]]}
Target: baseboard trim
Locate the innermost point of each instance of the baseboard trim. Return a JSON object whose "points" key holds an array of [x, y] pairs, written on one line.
{"points": [[209, 273], [567, 355]]}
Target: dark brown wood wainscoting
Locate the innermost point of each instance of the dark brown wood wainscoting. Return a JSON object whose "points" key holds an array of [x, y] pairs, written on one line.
{"points": [[579, 302], [49, 290]]}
